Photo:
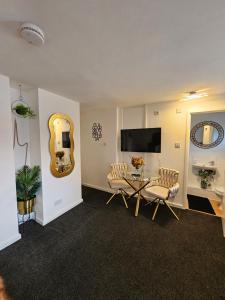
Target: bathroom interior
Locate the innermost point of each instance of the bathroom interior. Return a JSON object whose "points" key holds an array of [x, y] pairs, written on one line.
{"points": [[205, 190]]}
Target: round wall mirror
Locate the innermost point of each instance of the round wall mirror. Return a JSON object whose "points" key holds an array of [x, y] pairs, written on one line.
{"points": [[207, 134]]}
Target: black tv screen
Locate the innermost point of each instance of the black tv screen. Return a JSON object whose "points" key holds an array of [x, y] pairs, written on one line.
{"points": [[141, 140]]}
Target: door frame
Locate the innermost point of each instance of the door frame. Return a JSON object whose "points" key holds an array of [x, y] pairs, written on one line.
{"points": [[186, 156]]}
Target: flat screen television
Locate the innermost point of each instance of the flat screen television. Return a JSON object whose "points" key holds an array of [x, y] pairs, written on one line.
{"points": [[141, 140]]}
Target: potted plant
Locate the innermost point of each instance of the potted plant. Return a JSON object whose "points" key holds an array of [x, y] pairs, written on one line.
{"points": [[206, 176], [24, 111], [27, 184]]}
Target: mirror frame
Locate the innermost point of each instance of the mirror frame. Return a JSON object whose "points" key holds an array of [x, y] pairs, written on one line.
{"points": [[52, 118], [202, 124]]}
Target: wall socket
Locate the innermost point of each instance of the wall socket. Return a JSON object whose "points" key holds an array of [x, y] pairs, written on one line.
{"points": [[177, 145], [57, 202], [178, 111]]}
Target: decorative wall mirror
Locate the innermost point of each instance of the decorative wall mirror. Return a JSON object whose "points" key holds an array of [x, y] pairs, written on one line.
{"points": [[207, 134], [61, 145]]}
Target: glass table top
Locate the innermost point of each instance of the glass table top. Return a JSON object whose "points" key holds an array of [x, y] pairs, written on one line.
{"points": [[140, 177]]}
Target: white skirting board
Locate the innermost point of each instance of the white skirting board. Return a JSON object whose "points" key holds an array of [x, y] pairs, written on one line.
{"points": [[108, 190], [58, 214], [104, 189], [10, 241]]}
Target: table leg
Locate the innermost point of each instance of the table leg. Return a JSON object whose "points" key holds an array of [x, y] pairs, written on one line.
{"points": [[137, 204]]}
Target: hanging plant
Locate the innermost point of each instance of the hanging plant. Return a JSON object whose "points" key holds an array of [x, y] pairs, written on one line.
{"points": [[23, 111]]}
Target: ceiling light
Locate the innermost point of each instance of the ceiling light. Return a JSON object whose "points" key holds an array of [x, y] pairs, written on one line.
{"points": [[194, 95]]}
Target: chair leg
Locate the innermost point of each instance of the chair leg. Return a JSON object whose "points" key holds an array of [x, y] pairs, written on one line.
{"points": [[157, 206], [110, 198], [137, 204], [124, 200], [171, 210], [150, 202]]}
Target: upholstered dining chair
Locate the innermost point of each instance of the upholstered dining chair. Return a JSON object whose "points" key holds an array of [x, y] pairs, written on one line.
{"points": [[116, 181], [164, 188]]}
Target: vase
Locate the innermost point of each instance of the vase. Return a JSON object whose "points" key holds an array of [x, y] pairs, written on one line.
{"points": [[25, 206], [136, 173], [204, 184]]}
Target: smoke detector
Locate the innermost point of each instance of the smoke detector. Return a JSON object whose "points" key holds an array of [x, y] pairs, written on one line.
{"points": [[32, 34]]}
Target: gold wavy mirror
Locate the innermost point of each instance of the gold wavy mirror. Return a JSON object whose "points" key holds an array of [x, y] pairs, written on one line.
{"points": [[61, 145]]}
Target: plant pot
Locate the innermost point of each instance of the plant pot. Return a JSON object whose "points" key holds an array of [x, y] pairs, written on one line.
{"points": [[25, 206], [204, 184]]}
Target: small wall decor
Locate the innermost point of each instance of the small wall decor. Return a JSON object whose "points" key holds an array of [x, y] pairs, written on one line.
{"points": [[207, 134], [97, 131]]}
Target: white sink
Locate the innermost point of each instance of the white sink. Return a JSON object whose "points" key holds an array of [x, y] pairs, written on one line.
{"points": [[204, 166]]}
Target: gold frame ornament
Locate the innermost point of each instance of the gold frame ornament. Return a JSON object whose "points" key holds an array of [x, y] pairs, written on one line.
{"points": [[52, 145]]}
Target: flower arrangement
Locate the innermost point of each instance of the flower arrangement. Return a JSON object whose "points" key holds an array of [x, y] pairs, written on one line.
{"points": [[206, 176], [137, 162]]}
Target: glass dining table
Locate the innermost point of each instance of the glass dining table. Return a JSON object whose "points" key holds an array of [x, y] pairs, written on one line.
{"points": [[138, 183]]}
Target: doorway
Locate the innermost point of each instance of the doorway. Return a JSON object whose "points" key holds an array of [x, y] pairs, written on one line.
{"points": [[205, 163]]}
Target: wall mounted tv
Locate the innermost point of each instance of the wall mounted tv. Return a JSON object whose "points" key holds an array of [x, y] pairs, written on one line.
{"points": [[141, 140]]}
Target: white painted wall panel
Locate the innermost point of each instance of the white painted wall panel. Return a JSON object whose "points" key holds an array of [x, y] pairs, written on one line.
{"points": [[98, 155], [58, 194], [8, 204]]}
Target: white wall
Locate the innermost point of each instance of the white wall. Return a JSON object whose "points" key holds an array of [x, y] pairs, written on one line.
{"points": [[34, 144], [216, 154], [8, 204], [98, 155], [58, 194], [172, 118]]}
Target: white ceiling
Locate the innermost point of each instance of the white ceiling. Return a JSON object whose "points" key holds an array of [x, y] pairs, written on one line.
{"points": [[117, 51]]}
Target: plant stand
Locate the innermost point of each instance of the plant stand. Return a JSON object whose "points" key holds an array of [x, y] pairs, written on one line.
{"points": [[23, 221]]}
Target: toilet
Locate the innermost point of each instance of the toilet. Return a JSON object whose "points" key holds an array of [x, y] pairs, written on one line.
{"points": [[219, 190]]}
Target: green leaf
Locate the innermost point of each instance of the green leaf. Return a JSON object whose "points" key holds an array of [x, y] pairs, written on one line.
{"points": [[24, 111], [27, 182]]}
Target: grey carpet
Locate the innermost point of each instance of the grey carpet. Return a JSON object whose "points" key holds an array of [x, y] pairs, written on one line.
{"points": [[103, 252]]}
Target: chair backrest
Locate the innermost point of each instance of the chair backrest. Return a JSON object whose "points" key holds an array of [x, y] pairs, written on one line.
{"points": [[118, 170], [168, 177]]}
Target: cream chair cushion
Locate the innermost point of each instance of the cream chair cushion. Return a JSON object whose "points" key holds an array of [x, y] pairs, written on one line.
{"points": [[116, 183], [158, 191]]}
